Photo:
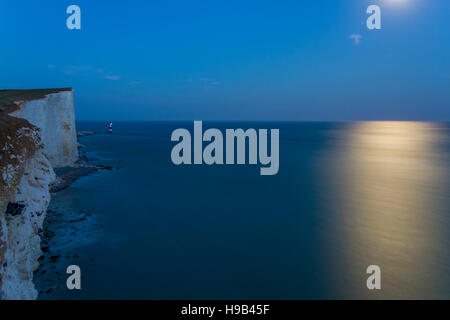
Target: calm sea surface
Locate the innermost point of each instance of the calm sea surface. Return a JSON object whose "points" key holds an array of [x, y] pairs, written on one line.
{"points": [[348, 195]]}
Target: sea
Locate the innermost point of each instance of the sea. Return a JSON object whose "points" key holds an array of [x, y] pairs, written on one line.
{"points": [[347, 196]]}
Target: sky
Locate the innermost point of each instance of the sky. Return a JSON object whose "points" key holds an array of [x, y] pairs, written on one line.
{"points": [[234, 60]]}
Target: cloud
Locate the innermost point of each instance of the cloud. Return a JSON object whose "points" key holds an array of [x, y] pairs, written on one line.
{"points": [[114, 78], [356, 38], [80, 70], [86, 71], [210, 81], [202, 82]]}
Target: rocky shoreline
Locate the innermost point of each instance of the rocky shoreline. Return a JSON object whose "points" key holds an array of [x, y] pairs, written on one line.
{"points": [[64, 228], [65, 176]]}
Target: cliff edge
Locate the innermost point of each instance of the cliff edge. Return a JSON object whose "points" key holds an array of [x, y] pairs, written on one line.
{"points": [[37, 134]]}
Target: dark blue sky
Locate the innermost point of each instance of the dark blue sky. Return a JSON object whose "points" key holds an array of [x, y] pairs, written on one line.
{"points": [[234, 60]]}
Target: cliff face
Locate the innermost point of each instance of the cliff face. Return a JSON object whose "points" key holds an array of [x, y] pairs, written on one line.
{"points": [[29, 147], [21, 223], [57, 125]]}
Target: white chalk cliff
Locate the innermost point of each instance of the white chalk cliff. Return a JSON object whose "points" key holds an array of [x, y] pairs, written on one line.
{"points": [[37, 134], [55, 117]]}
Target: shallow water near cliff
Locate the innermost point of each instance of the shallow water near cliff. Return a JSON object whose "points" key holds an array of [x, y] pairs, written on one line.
{"points": [[348, 195]]}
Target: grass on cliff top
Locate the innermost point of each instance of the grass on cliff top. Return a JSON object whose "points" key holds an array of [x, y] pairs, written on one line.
{"points": [[7, 97]]}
